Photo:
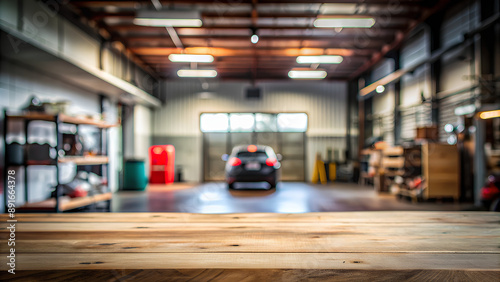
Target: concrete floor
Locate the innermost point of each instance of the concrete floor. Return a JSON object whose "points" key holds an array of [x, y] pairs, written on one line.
{"points": [[288, 197]]}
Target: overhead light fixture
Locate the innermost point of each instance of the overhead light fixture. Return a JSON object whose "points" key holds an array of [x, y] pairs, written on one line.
{"points": [[190, 58], [345, 22], [168, 18], [490, 114], [196, 73], [255, 38], [323, 59], [307, 74], [380, 89]]}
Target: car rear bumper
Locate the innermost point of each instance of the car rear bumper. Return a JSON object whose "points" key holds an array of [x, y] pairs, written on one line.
{"points": [[270, 178]]}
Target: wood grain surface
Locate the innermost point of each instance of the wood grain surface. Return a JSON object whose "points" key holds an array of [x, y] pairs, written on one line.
{"points": [[351, 246]]}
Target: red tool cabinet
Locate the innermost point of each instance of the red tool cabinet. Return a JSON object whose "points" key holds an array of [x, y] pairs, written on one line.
{"points": [[161, 164]]}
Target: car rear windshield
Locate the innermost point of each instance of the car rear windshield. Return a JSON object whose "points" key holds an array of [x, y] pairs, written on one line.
{"points": [[252, 155]]}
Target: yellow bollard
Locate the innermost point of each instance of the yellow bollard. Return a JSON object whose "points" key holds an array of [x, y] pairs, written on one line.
{"points": [[332, 171], [319, 171]]}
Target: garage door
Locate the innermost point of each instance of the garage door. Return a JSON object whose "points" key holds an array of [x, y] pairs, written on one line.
{"points": [[285, 133]]}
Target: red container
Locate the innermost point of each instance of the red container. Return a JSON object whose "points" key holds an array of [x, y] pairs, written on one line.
{"points": [[161, 164]]}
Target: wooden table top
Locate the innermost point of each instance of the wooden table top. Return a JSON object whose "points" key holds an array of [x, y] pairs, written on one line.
{"points": [[323, 246]]}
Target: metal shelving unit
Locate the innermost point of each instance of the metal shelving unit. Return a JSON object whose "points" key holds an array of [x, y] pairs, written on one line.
{"points": [[59, 203]]}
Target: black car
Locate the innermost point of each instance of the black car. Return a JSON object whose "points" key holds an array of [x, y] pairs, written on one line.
{"points": [[252, 163]]}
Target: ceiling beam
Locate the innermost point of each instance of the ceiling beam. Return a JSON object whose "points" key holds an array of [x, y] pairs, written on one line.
{"points": [[262, 15], [230, 52], [138, 28], [264, 53], [98, 3], [378, 37]]}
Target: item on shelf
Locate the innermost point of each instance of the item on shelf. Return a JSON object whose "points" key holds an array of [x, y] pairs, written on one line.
{"points": [[76, 188], [99, 185], [72, 145], [15, 153], [40, 154], [415, 183], [54, 108], [35, 105]]}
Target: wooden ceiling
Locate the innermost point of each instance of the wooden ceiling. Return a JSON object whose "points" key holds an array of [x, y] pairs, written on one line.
{"points": [[285, 29]]}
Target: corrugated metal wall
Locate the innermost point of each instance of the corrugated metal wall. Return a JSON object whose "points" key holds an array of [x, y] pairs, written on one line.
{"points": [[415, 86], [178, 121], [457, 66], [457, 21], [383, 104]]}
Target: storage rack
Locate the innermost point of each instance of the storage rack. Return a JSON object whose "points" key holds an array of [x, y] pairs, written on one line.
{"points": [[59, 203]]}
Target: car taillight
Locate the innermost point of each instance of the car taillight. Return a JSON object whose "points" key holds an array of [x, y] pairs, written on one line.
{"points": [[234, 161], [271, 161], [252, 148]]}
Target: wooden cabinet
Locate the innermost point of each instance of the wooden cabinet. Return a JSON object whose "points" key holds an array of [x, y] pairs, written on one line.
{"points": [[441, 171], [22, 159]]}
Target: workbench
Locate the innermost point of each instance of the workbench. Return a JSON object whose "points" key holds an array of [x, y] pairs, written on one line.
{"points": [[357, 246]]}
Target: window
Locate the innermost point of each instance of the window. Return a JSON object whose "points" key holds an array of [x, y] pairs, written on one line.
{"points": [[265, 123], [214, 123], [253, 122], [241, 122]]}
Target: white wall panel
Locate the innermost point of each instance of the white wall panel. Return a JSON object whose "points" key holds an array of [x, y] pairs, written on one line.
{"points": [[80, 46], [8, 13], [455, 72], [21, 83], [142, 132], [40, 23]]}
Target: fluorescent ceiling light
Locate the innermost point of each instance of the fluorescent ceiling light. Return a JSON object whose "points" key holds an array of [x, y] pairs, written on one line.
{"points": [[344, 22], [324, 59], [196, 73], [490, 114], [190, 58], [307, 74], [168, 18]]}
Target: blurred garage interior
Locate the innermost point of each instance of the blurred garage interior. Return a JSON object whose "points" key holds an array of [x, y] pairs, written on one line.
{"points": [[130, 131], [403, 115]]}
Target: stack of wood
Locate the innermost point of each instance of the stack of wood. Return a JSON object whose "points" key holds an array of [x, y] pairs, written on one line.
{"points": [[370, 166], [393, 164]]}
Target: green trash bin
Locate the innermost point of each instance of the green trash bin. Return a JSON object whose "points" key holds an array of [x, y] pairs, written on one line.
{"points": [[134, 175]]}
